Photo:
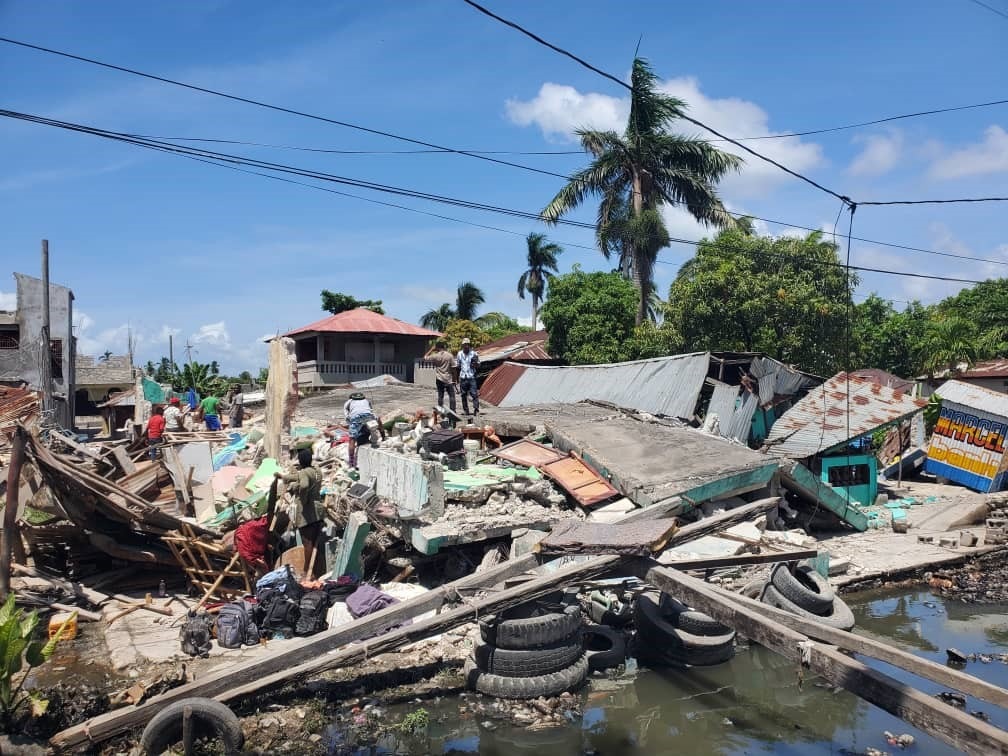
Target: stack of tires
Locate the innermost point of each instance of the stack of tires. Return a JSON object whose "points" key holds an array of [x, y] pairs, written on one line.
{"points": [[529, 651], [669, 633], [805, 593]]}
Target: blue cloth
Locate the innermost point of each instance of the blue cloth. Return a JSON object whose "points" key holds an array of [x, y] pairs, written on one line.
{"points": [[192, 399], [212, 422], [357, 421], [467, 364]]}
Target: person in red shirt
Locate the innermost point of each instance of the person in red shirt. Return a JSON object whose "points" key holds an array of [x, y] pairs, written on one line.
{"points": [[155, 430]]}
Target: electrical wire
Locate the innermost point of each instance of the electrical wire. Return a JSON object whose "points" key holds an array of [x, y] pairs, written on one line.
{"points": [[937, 201], [991, 8], [228, 160], [683, 116]]}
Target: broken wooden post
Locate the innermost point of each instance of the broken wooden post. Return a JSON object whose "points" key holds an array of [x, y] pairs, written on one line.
{"points": [[927, 713], [281, 393], [11, 509]]}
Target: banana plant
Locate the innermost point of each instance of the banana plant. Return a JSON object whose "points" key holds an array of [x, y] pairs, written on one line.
{"points": [[18, 650]]}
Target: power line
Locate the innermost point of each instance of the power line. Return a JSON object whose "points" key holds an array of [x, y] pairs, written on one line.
{"points": [[991, 8], [277, 108], [683, 116], [230, 161], [938, 201]]}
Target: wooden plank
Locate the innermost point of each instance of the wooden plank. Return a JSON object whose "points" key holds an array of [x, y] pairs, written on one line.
{"points": [[927, 713], [639, 537], [527, 453], [876, 649], [178, 476], [289, 654], [580, 480], [127, 464], [741, 560]]}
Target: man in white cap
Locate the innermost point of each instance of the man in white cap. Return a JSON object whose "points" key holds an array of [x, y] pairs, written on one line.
{"points": [[468, 362]]}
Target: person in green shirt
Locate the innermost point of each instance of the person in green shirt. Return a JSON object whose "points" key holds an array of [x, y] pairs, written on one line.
{"points": [[306, 514], [210, 412]]}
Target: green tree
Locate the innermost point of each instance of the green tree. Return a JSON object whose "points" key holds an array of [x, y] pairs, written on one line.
{"points": [[951, 341], [985, 304], [263, 375], [541, 258], [245, 376], [150, 369], [337, 302], [438, 319], [201, 378], [468, 298], [784, 296], [589, 316], [457, 329], [886, 338], [637, 172], [497, 325]]}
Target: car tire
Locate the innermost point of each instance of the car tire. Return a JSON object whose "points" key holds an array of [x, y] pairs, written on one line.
{"points": [[530, 662], [804, 587], [549, 685], [531, 626], [604, 647], [210, 719], [660, 641], [839, 617]]}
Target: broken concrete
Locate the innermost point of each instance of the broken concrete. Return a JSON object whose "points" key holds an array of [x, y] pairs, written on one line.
{"points": [[414, 485], [281, 393]]}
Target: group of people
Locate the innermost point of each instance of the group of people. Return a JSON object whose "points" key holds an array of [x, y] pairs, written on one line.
{"points": [[463, 366], [171, 418]]}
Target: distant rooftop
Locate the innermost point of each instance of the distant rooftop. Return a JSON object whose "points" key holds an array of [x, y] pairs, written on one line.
{"points": [[363, 320], [94, 371]]}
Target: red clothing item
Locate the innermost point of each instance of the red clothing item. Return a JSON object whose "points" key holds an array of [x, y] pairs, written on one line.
{"points": [[155, 427]]}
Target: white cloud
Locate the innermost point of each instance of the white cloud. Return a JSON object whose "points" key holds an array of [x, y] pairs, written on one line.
{"points": [[558, 110], [990, 155], [215, 334], [880, 154], [8, 301], [165, 332]]}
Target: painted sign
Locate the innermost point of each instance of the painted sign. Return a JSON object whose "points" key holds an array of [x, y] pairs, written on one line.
{"points": [[968, 446]]}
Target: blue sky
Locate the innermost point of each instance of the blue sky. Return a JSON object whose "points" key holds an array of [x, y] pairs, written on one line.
{"points": [[157, 244]]}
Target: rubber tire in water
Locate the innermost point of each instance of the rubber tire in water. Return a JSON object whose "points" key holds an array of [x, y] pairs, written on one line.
{"points": [[660, 642], [840, 616], [613, 651], [529, 662], [537, 631], [805, 587], [499, 686], [209, 718], [691, 621]]}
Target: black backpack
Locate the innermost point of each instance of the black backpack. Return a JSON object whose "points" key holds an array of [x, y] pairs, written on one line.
{"points": [[195, 634], [236, 626], [313, 608], [277, 613]]}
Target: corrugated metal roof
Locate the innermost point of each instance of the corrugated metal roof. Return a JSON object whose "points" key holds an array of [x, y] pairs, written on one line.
{"points": [[527, 346], [885, 378], [363, 320], [665, 385], [500, 381], [820, 420], [977, 397]]}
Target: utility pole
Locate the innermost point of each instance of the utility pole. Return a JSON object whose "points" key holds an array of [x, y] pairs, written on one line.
{"points": [[45, 363], [189, 351], [171, 353]]}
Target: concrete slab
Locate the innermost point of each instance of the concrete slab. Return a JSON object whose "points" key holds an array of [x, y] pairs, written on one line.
{"points": [[412, 484], [708, 546]]}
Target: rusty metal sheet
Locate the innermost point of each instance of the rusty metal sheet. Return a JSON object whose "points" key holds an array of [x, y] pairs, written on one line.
{"points": [[528, 453], [579, 480]]}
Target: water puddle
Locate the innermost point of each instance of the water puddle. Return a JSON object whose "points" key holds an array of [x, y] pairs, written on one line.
{"points": [[757, 703]]}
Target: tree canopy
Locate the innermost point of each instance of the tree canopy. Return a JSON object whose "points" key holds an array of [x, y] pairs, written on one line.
{"points": [[337, 302], [783, 296], [456, 330], [635, 173]]}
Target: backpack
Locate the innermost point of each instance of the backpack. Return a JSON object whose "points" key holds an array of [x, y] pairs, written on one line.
{"points": [[195, 634], [236, 626], [277, 613], [283, 580], [313, 609]]}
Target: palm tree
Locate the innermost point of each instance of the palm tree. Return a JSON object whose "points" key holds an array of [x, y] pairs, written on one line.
{"points": [[636, 173], [542, 264], [952, 341], [437, 320], [468, 298]]}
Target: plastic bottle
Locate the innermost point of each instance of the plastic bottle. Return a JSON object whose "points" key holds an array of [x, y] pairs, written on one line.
{"points": [[162, 589]]}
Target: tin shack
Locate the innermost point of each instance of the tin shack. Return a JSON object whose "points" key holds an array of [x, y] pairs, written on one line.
{"points": [[968, 442]]}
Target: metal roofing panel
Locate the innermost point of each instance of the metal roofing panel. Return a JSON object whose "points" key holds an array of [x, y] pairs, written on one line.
{"points": [[363, 320], [820, 420], [662, 386], [974, 396], [497, 385]]}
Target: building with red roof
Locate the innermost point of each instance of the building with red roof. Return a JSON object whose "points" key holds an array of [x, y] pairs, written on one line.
{"points": [[357, 345]]}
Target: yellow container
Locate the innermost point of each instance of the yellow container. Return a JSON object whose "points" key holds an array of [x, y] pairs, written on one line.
{"points": [[58, 619]]}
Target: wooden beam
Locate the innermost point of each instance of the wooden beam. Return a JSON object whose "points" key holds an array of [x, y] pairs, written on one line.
{"points": [[707, 563], [288, 655], [927, 713]]}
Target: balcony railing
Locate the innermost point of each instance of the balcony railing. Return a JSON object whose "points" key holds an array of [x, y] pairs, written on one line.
{"points": [[320, 372]]}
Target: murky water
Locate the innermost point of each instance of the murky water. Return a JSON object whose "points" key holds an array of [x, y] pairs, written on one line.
{"points": [[757, 703]]}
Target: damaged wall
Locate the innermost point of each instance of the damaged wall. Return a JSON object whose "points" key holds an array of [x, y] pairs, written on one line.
{"points": [[281, 393]]}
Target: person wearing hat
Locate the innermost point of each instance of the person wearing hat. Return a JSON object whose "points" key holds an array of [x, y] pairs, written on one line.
{"points": [[173, 416], [357, 412], [468, 363]]}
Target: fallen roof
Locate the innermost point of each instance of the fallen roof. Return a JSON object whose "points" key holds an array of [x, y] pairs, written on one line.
{"points": [[974, 396], [363, 320], [885, 378], [522, 347], [828, 417]]}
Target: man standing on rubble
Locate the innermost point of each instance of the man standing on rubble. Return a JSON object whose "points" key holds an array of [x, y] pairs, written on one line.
{"points": [[236, 407], [155, 431], [443, 363], [210, 407], [468, 362], [305, 513]]}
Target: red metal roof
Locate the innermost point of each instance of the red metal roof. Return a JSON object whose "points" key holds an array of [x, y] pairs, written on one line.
{"points": [[987, 369], [885, 378], [525, 347], [497, 385], [363, 320]]}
